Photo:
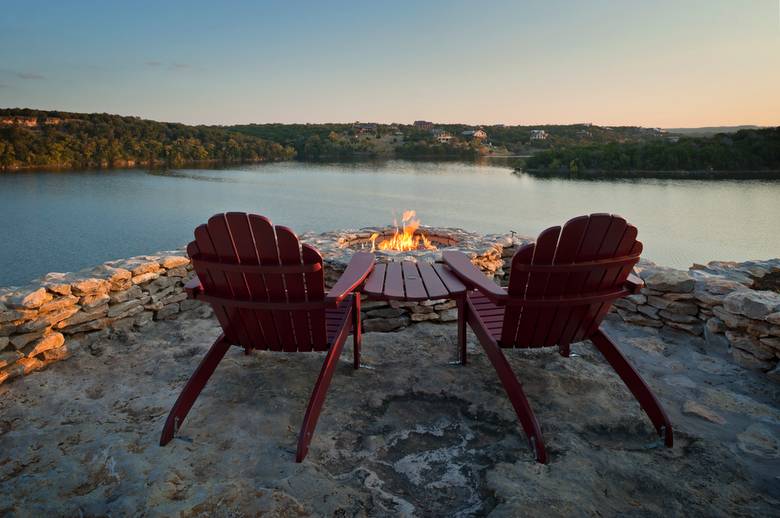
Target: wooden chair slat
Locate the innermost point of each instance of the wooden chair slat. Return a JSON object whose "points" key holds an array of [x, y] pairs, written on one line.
{"points": [[204, 275], [602, 279], [433, 284], [267, 251], [221, 285], [289, 254], [413, 282], [315, 290], [247, 254], [590, 249], [569, 242], [518, 281], [527, 328]]}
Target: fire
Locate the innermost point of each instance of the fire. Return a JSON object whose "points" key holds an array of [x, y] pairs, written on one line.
{"points": [[405, 238]]}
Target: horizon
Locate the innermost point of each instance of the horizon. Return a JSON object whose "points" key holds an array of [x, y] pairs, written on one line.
{"points": [[698, 65], [390, 123]]}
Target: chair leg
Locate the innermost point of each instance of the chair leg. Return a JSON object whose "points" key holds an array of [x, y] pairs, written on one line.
{"points": [[462, 319], [318, 395], [635, 384], [357, 331], [193, 388], [517, 397]]}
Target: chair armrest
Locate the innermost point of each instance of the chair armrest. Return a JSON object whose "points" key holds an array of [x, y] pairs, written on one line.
{"points": [[472, 277], [193, 287], [634, 283], [361, 264]]}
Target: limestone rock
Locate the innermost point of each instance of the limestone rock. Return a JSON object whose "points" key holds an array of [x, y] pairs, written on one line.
{"points": [[695, 328], [145, 277], [91, 325], [134, 292], [751, 345], [26, 298], [648, 311], [773, 318], [59, 303], [167, 312], [691, 407], [122, 309], [747, 360], [94, 300], [20, 340], [668, 280], [47, 319], [420, 317], [752, 304], [449, 315], [89, 286], [625, 304], [715, 325], [385, 313], [384, 325], [84, 316], [678, 317], [440, 306], [50, 341], [731, 320], [638, 319], [9, 357], [177, 272], [173, 261]]}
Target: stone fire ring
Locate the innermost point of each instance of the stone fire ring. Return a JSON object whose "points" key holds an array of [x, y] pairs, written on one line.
{"points": [[338, 246]]}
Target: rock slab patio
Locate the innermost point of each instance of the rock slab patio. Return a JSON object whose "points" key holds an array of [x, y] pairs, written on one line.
{"points": [[414, 436]]}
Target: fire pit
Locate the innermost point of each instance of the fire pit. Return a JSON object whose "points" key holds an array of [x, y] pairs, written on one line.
{"points": [[412, 241]]}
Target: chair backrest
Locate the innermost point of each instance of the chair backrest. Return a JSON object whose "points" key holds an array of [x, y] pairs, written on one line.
{"points": [[562, 286], [266, 288]]}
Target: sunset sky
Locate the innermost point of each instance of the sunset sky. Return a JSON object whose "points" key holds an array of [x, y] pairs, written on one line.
{"points": [[619, 62]]}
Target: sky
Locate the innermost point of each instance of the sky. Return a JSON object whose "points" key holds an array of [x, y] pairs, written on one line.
{"points": [[683, 63]]}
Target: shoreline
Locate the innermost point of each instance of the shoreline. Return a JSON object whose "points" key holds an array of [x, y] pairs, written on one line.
{"points": [[661, 175]]}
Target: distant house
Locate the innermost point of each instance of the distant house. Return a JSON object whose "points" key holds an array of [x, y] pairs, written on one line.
{"points": [[478, 134], [52, 121], [441, 136], [423, 125], [19, 120], [539, 135], [362, 128]]}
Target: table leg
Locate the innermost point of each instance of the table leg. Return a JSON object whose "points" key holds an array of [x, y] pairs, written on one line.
{"points": [[462, 317]]}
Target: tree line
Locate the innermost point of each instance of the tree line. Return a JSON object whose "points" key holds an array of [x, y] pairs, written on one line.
{"points": [[36, 138], [745, 150]]}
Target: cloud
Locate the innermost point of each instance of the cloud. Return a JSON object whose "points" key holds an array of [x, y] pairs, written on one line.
{"points": [[152, 63], [29, 75], [4, 85], [179, 66]]}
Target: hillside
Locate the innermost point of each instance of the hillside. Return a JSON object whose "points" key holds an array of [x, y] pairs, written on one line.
{"points": [[37, 138], [745, 150]]}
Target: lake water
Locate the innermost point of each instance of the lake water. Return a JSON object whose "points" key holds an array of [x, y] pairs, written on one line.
{"points": [[65, 221]]}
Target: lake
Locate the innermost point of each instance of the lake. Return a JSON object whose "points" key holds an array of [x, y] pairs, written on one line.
{"points": [[65, 221]]}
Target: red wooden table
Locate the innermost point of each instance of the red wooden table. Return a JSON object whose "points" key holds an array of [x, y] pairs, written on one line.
{"points": [[410, 281]]}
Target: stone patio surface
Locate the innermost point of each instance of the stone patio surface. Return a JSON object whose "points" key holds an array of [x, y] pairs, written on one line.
{"points": [[413, 436]]}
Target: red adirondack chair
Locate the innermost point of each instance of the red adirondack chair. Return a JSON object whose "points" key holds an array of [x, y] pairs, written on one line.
{"points": [[560, 289], [268, 293]]}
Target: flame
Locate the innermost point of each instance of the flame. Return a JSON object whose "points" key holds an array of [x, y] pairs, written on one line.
{"points": [[405, 238]]}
